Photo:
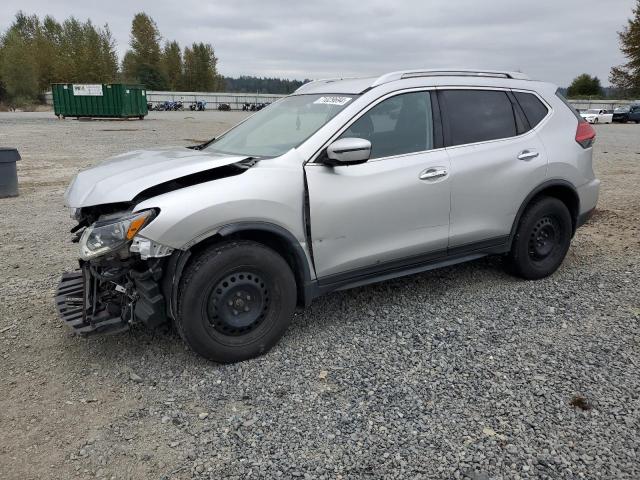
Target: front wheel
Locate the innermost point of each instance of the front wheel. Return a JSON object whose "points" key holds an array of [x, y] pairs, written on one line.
{"points": [[542, 239], [236, 300]]}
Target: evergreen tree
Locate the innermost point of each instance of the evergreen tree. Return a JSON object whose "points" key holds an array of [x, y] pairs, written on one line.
{"points": [[200, 73], [142, 62], [48, 52], [18, 70], [108, 55], [627, 77], [172, 65], [585, 86]]}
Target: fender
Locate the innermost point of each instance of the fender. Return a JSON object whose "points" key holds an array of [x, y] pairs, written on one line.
{"points": [[543, 186], [306, 286], [178, 260]]}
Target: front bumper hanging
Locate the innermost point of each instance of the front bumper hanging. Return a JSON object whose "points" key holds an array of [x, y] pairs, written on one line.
{"points": [[76, 308]]}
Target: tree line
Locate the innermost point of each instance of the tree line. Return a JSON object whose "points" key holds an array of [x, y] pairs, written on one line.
{"points": [[248, 84], [34, 53]]}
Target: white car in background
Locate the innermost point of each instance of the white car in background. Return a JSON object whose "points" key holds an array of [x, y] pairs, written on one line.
{"points": [[594, 115]]}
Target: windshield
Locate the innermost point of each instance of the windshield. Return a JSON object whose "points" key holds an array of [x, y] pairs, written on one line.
{"points": [[622, 109], [281, 126], [593, 111]]}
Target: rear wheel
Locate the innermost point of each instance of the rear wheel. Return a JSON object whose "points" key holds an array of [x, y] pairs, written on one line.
{"points": [[236, 301], [542, 239]]}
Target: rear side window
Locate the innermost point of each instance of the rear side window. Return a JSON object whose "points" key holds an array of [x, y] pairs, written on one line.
{"points": [[533, 108], [477, 115]]}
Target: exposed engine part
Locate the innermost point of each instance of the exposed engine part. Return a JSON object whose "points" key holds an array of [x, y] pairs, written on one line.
{"points": [[108, 299]]}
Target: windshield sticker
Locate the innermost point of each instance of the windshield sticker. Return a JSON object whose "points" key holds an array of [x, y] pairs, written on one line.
{"points": [[333, 100]]}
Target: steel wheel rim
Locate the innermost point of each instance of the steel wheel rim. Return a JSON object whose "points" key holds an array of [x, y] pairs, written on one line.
{"points": [[238, 303], [544, 238]]}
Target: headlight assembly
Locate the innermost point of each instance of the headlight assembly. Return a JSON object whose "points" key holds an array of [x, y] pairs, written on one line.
{"points": [[109, 235]]}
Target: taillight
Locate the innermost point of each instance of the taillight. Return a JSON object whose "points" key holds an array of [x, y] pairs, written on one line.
{"points": [[585, 134]]}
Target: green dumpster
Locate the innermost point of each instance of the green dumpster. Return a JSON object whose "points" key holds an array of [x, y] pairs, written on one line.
{"points": [[108, 100]]}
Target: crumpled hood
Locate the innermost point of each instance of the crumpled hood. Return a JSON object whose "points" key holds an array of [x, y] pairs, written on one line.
{"points": [[121, 178]]}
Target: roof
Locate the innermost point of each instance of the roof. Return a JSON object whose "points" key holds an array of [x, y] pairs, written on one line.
{"points": [[359, 85]]}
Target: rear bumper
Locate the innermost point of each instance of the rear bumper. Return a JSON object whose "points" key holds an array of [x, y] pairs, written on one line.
{"points": [[584, 217], [73, 302], [588, 195]]}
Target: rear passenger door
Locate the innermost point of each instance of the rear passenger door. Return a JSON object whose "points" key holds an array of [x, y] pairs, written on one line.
{"points": [[496, 160]]}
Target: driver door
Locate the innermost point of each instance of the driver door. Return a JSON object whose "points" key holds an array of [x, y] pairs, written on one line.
{"points": [[391, 212]]}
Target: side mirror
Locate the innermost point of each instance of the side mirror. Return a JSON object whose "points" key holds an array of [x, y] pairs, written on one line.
{"points": [[348, 151]]}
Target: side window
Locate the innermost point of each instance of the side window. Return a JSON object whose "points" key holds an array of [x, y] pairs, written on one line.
{"points": [[533, 108], [478, 115], [396, 126]]}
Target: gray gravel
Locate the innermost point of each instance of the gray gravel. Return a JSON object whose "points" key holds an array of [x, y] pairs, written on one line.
{"points": [[463, 372]]}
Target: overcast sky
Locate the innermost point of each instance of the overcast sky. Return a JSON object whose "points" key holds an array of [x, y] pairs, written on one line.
{"points": [[553, 40]]}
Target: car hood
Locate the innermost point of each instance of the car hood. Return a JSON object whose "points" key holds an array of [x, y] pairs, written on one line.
{"points": [[121, 178]]}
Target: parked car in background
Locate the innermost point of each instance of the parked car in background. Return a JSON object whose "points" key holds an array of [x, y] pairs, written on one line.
{"points": [[343, 183], [628, 113], [595, 115]]}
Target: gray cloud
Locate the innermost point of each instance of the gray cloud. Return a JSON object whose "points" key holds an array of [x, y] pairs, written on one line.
{"points": [[550, 40]]}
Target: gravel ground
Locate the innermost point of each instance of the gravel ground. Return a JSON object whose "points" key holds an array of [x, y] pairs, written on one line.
{"points": [[463, 372]]}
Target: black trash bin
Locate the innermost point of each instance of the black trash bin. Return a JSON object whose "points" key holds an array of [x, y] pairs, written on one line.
{"points": [[8, 172]]}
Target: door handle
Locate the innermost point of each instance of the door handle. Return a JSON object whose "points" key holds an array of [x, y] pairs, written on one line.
{"points": [[527, 155], [432, 173]]}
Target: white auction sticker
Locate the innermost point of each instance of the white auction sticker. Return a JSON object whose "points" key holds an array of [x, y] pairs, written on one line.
{"points": [[333, 100], [87, 90]]}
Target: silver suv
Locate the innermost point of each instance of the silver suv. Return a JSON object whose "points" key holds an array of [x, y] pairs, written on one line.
{"points": [[345, 182]]}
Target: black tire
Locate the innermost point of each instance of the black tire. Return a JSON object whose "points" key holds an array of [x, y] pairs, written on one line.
{"points": [[542, 239], [236, 300]]}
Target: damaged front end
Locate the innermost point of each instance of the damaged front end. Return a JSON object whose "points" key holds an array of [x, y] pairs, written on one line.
{"points": [[119, 279]]}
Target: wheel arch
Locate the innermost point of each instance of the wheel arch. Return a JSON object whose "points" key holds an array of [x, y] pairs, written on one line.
{"points": [[271, 235], [560, 189]]}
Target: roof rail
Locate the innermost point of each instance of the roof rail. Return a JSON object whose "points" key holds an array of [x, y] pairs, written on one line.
{"points": [[321, 80], [392, 76]]}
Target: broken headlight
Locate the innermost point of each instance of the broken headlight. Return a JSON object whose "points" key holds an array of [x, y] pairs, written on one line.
{"points": [[105, 236]]}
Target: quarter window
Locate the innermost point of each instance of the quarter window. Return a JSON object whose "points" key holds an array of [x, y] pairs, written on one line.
{"points": [[396, 126], [533, 108], [478, 115]]}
